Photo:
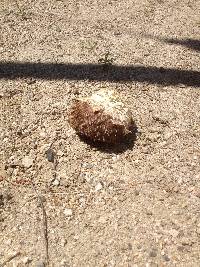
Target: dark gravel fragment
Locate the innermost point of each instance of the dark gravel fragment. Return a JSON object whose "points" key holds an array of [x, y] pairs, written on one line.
{"points": [[50, 155]]}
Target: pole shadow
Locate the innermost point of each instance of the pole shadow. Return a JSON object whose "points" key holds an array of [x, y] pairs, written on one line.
{"points": [[97, 72], [193, 44]]}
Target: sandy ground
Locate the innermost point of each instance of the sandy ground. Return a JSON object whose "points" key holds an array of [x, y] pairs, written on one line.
{"points": [[133, 205]]}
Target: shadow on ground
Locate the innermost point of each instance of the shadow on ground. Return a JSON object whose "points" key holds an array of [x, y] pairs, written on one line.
{"points": [[97, 72], [127, 144], [193, 44]]}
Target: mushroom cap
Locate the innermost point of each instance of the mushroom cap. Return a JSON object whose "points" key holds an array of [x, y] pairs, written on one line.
{"points": [[101, 117]]}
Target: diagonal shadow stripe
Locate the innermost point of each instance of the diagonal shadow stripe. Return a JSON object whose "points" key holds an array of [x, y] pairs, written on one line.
{"points": [[96, 72], [193, 44]]}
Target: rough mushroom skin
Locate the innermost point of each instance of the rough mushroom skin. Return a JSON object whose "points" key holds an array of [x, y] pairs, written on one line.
{"points": [[97, 122]]}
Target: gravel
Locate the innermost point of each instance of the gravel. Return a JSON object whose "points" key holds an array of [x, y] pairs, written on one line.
{"points": [[27, 162], [135, 204]]}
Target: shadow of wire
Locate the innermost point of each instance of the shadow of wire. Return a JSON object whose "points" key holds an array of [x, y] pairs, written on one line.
{"points": [[193, 44], [96, 72]]}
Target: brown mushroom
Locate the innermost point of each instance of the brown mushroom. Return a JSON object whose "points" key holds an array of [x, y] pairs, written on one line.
{"points": [[101, 117]]}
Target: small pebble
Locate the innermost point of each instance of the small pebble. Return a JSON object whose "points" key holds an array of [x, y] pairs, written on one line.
{"points": [[26, 260], [1, 200], [63, 242], [76, 237], [40, 264], [50, 154], [56, 182], [88, 165], [8, 242], [60, 153], [137, 192], [130, 247], [98, 187], [151, 264], [64, 263], [153, 253], [173, 232], [68, 212], [196, 192], [27, 162], [167, 135], [166, 258], [30, 81], [42, 134], [148, 212]]}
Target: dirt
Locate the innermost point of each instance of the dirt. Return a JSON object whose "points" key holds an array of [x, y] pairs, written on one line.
{"points": [[67, 202]]}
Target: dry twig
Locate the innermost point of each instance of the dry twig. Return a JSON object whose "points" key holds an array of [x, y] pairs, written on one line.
{"points": [[44, 225], [9, 259]]}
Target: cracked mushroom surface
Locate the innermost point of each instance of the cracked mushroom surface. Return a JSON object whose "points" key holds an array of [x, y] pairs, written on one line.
{"points": [[102, 117]]}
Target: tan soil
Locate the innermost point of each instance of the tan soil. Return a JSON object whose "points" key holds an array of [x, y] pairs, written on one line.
{"points": [[127, 206]]}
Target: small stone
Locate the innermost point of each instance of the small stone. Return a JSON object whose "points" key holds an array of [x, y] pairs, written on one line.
{"points": [[88, 165], [166, 258], [6, 139], [8, 242], [137, 192], [117, 33], [151, 264], [42, 134], [98, 187], [27, 162], [60, 153], [64, 263], [198, 231], [30, 81], [76, 237], [63, 242], [1, 200], [40, 264], [61, 175], [44, 147], [15, 171], [196, 193], [186, 241], [68, 212], [56, 182], [50, 154], [115, 158], [181, 248], [130, 247], [26, 260], [173, 232], [148, 212], [167, 135], [153, 253]]}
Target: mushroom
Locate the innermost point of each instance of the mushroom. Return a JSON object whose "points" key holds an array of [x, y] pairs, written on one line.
{"points": [[102, 117]]}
